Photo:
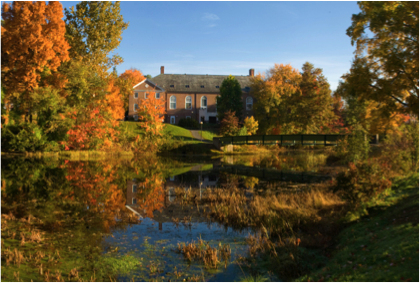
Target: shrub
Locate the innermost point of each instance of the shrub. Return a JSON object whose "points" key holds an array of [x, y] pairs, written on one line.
{"points": [[24, 137], [353, 148], [401, 149], [229, 125], [251, 124], [362, 181], [188, 123], [242, 132]]}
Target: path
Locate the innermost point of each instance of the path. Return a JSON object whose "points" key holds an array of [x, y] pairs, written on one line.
{"points": [[197, 136]]}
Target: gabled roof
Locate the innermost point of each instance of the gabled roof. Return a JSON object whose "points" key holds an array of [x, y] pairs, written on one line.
{"points": [[178, 83], [150, 83]]}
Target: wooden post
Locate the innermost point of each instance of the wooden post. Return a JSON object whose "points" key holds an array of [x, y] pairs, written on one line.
{"points": [[301, 139], [281, 140], [246, 139], [263, 139], [325, 140]]}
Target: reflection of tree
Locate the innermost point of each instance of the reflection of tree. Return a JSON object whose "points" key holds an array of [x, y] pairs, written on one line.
{"points": [[150, 195], [94, 186]]}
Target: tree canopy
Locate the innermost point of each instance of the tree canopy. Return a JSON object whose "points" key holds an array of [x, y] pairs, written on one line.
{"points": [[386, 65], [230, 98]]}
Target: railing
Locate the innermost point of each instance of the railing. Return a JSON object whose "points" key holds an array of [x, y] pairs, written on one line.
{"points": [[326, 140]]}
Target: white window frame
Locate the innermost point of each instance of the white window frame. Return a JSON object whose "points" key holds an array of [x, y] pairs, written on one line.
{"points": [[136, 106], [201, 102], [189, 102], [134, 188], [157, 95], [249, 101], [170, 102], [146, 95], [133, 201], [136, 95]]}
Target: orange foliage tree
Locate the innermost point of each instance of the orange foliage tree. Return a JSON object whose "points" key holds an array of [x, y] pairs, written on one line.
{"points": [[151, 194], [32, 46], [126, 81], [151, 114]]}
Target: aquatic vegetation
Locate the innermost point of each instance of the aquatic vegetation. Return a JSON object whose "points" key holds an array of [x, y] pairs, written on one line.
{"points": [[201, 251]]}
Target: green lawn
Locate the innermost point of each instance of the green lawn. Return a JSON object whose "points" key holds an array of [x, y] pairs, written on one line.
{"points": [[178, 132], [209, 134], [173, 130], [382, 245]]}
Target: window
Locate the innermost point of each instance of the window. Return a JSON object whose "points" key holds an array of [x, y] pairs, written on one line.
{"points": [[249, 103], [187, 86], [136, 106], [172, 103], [172, 178], [171, 86], [134, 201], [157, 95], [188, 102], [134, 188], [217, 86], [146, 95], [204, 102], [188, 117], [202, 86], [136, 95], [136, 117]]}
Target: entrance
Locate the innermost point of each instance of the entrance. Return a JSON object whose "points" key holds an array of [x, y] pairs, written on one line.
{"points": [[172, 121]]}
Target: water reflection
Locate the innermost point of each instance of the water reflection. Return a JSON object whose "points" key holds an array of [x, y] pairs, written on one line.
{"points": [[85, 207]]}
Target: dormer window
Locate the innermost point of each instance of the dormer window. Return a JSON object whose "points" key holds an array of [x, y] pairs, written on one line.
{"points": [[171, 86], [202, 86], [187, 86], [217, 86]]}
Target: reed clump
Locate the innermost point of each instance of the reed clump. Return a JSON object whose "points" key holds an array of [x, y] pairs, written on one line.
{"points": [[201, 251]]}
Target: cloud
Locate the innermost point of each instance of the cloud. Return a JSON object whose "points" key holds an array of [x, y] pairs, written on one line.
{"points": [[210, 17], [211, 25]]}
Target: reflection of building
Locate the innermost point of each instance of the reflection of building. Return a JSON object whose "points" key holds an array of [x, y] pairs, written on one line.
{"points": [[170, 209]]}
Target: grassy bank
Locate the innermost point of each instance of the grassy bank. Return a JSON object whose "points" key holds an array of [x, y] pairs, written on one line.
{"points": [[382, 245]]}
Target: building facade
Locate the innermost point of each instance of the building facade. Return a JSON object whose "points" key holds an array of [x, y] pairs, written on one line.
{"points": [[189, 96]]}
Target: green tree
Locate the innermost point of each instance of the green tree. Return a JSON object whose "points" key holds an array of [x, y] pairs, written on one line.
{"points": [[386, 65], [94, 30], [230, 98]]}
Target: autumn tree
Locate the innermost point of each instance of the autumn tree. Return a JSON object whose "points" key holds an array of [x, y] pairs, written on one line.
{"points": [[230, 98], [229, 126], [33, 46], [151, 113], [251, 125], [271, 91], [94, 30], [127, 81], [386, 65]]}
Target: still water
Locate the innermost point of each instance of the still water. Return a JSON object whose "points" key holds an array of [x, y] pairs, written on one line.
{"points": [[123, 219]]}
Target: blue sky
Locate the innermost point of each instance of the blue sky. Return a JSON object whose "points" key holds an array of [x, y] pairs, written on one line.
{"points": [[232, 37]]}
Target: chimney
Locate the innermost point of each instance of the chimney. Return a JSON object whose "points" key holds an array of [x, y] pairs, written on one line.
{"points": [[162, 70], [251, 72]]}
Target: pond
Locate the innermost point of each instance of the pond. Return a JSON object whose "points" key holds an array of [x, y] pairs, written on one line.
{"points": [[145, 219]]}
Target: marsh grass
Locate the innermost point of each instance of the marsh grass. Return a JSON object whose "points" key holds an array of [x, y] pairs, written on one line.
{"points": [[203, 252]]}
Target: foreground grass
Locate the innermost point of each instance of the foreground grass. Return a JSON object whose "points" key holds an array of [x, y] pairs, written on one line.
{"points": [[382, 245]]}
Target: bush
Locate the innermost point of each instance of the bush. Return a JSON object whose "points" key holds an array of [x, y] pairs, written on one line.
{"points": [[353, 148], [401, 149], [188, 123], [242, 132], [229, 125], [24, 137], [362, 181]]}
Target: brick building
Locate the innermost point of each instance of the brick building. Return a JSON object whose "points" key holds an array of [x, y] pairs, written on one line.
{"points": [[192, 96]]}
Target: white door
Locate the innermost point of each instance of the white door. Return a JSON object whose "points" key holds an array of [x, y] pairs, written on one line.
{"points": [[173, 120]]}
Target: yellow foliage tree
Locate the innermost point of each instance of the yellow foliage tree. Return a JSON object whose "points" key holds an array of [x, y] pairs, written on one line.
{"points": [[251, 125]]}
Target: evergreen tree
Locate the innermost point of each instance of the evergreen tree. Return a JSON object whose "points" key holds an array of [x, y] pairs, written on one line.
{"points": [[230, 98]]}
